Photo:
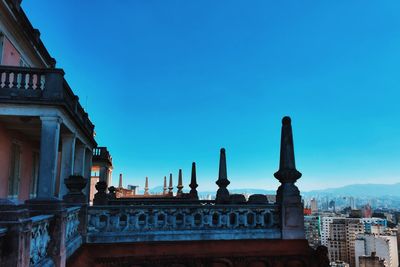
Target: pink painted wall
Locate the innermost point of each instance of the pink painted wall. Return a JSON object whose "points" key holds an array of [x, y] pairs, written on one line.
{"points": [[11, 57], [26, 170], [26, 159]]}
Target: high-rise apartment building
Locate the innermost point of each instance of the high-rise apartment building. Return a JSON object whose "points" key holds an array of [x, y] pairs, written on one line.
{"points": [[312, 230], [353, 228], [352, 203], [325, 221], [314, 206], [337, 241], [341, 241]]}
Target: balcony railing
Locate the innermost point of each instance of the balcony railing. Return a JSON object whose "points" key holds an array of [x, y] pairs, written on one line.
{"points": [[72, 237], [41, 86], [40, 239], [109, 224], [102, 154]]}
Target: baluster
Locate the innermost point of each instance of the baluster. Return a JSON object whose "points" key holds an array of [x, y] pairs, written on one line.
{"points": [[36, 81], [7, 79], [39, 81], [14, 83], [30, 81], [2, 84], [42, 81], [22, 83]]}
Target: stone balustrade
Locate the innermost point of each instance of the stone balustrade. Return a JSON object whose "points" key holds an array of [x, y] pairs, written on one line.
{"points": [[72, 237], [102, 154], [40, 239], [42, 86], [109, 224]]}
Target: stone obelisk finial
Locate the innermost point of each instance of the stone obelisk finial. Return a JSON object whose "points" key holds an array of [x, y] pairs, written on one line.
{"points": [[146, 186], [193, 183], [287, 167], [222, 182], [288, 195], [120, 181], [170, 187], [180, 183], [165, 186]]}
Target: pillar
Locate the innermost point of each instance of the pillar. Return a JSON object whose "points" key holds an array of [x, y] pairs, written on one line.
{"points": [[49, 139], [79, 163], [109, 176], [67, 160], [103, 174], [88, 171]]}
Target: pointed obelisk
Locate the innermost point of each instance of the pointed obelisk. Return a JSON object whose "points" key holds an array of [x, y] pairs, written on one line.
{"points": [[146, 186], [222, 182], [180, 184], [171, 186], [120, 181], [288, 195], [193, 183], [165, 188]]}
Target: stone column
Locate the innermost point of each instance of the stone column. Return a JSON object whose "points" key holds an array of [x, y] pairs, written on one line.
{"points": [[288, 195], [103, 174], [67, 160], [88, 171], [109, 176], [49, 140], [79, 163]]}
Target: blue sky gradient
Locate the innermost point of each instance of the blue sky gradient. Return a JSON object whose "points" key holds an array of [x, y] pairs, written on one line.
{"points": [[170, 82]]}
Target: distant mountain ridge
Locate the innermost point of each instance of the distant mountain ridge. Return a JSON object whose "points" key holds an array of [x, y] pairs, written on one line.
{"points": [[361, 190], [355, 190]]}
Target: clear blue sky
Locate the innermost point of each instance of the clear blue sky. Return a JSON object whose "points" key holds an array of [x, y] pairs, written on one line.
{"points": [[170, 82]]}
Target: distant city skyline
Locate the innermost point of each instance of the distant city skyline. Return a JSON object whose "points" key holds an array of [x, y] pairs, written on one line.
{"points": [[168, 82]]}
